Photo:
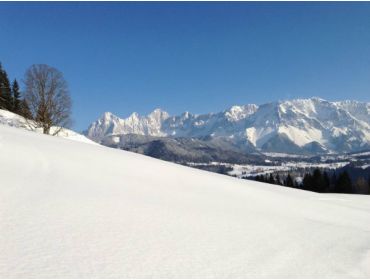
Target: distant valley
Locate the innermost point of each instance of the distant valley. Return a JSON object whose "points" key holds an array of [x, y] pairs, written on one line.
{"points": [[245, 141]]}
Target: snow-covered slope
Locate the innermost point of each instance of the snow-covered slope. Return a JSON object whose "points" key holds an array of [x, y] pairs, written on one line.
{"points": [[306, 122], [11, 119], [73, 210], [302, 125]]}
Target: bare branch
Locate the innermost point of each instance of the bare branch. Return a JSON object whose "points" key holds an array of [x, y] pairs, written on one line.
{"points": [[48, 98]]}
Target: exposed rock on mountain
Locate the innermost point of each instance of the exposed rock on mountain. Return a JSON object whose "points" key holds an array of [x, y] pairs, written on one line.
{"points": [[295, 126]]}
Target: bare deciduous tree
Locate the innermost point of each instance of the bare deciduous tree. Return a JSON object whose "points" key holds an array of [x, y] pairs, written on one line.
{"points": [[47, 95]]}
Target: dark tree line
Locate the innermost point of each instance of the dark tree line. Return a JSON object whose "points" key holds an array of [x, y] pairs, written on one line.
{"points": [[321, 181], [276, 180], [10, 96]]}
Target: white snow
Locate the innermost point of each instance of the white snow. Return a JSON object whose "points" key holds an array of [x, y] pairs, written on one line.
{"points": [[12, 119], [285, 155], [361, 154], [245, 170], [109, 124], [237, 113], [301, 137], [258, 136], [73, 210]]}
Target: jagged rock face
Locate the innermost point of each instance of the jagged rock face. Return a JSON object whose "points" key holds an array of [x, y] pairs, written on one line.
{"points": [[109, 124], [295, 126]]}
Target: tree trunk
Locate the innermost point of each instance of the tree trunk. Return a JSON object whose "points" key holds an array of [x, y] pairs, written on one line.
{"points": [[46, 130]]}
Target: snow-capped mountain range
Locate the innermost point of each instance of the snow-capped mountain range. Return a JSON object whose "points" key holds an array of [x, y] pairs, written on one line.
{"points": [[294, 126]]}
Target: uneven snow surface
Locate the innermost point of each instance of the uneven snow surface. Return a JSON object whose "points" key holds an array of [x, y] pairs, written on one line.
{"points": [[12, 119], [69, 209]]}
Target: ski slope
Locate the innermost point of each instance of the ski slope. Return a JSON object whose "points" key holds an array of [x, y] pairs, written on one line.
{"points": [[72, 210]]}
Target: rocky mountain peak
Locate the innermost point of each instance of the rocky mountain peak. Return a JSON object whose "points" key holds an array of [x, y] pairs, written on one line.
{"points": [[303, 123]]}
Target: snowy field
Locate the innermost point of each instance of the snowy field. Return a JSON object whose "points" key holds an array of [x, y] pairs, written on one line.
{"points": [[247, 170], [70, 209], [254, 170]]}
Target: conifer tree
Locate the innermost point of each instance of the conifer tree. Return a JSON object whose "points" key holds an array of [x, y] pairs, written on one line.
{"points": [[326, 182], [2, 101], [344, 184], [259, 178], [271, 179], [2, 87], [333, 182], [307, 182], [317, 181], [16, 97], [277, 180], [5, 91], [289, 181]]}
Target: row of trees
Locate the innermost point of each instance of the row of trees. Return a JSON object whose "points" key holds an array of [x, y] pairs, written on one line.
{"points": [[46, 101], [322, 182], [10, 96]]}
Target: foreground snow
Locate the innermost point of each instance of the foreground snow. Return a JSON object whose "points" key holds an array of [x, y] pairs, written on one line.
{"points": [[68, 209], [14, 120]]}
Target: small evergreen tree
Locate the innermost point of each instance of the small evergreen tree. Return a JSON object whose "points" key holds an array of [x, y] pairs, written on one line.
{"points": [[289, 181], [278, 180], [271, 179], [2, 99], [6, 101], [316, 180], [16, 97], [344, 184], [333, 182], [259, 178], [307, 182], [326, 182]]}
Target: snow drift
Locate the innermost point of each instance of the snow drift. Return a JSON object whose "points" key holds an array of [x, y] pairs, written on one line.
{"points": [[69, 209]]}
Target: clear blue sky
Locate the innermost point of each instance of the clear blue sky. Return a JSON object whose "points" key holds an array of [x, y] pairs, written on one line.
{"points": [[200, 57]]}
